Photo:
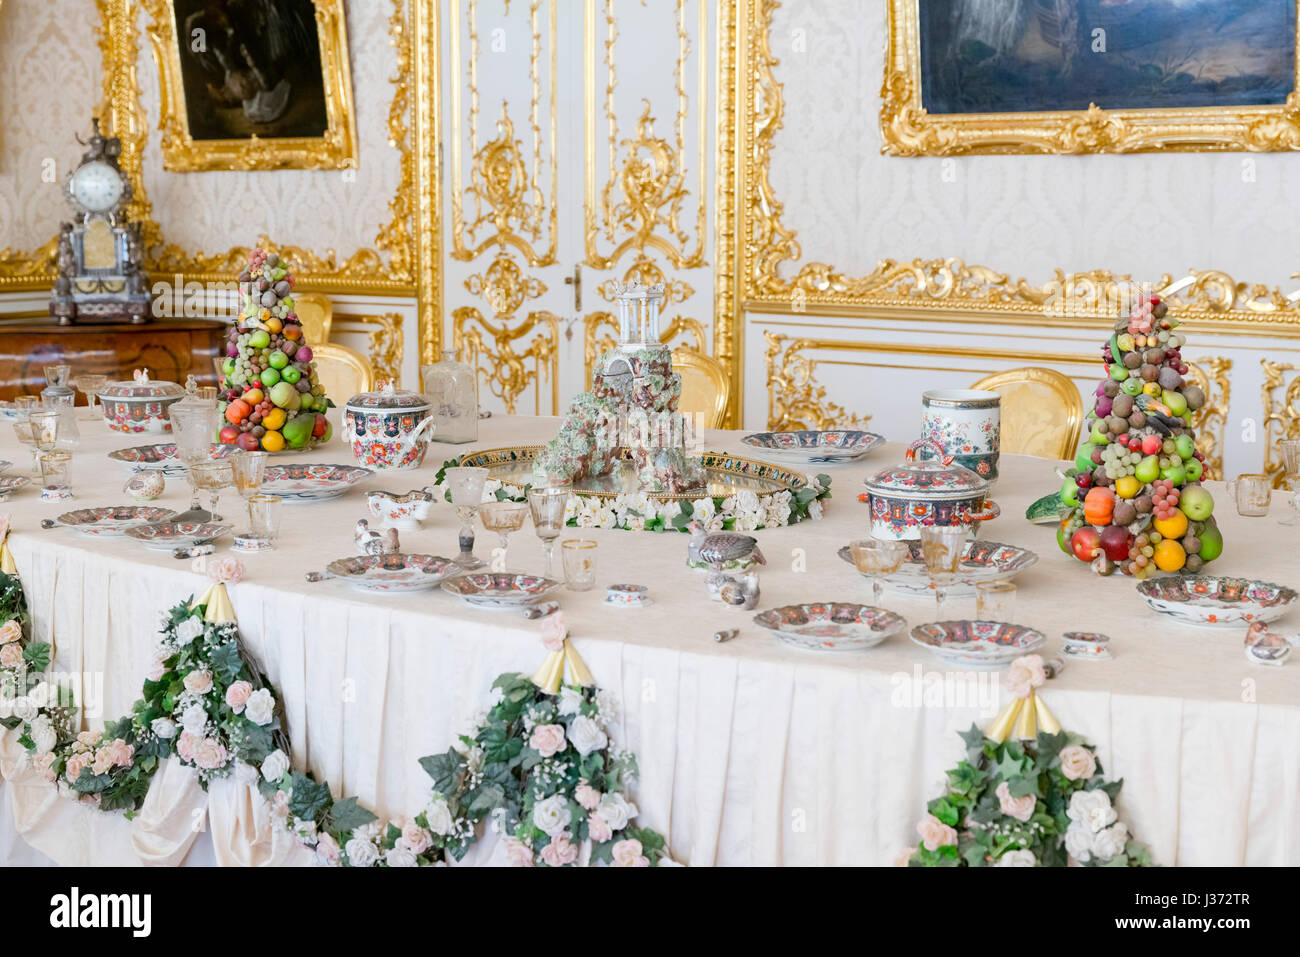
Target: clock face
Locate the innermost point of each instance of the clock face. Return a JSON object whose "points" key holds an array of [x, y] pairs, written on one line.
{"points": [[97, 187]]}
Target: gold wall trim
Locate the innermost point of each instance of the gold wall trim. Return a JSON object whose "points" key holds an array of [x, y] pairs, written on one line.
{"points": [[336, 149], [387, 341], [1211, 420], [909, 130], [504, 367], [1281, 413]]}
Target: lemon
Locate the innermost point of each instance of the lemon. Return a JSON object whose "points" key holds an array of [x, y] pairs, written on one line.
{"points": [[274, 419], [1127, 487], [274, 442]]}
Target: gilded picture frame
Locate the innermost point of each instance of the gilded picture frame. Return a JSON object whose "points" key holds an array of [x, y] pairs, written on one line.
{"points": [[202, 88], [909, 129]]}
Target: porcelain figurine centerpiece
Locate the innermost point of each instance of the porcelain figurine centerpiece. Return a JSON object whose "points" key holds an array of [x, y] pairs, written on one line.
{"points": [[631, 410], [967, 423], [903, 498], [389, 428]]}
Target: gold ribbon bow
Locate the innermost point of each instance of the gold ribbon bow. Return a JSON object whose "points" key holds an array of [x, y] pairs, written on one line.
{"points": [[217, 600], [551, 673], [7, 560], [1027, 716]]}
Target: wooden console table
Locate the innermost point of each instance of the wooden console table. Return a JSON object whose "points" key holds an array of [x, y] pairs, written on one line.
{"points": [[170, 349]]}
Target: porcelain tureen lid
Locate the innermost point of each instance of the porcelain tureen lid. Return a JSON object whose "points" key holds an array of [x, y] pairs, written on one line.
{"points": [[941, 477], [388, 397], [140, 386]]}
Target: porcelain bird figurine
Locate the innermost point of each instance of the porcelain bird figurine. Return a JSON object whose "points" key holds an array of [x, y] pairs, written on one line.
{"points": [[1264, 647], [371, 542]]}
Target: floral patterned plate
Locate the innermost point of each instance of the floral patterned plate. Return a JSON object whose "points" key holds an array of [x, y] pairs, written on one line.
{"points": [[311, 483], [162, 457], [112, 520], [810, 445], [983, 562], [391, 573], [500, 590], [830, 626], [168, 536], [10, 484], [1213, 602], [980, 644]]}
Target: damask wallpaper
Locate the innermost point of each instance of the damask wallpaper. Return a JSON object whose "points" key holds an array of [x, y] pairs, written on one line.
{"points": [[1144, 214]]}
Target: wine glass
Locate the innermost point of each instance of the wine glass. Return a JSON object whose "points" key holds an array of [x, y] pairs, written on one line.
{"points": [[503, 518], [548, 504], [466, 487], [213, 476], [91, 384], [876, 558], [1291, 468], [942, 548], [23, 432], [193, 426]]}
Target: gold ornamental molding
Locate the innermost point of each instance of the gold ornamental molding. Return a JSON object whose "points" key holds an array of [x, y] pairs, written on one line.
{"points": [[502, 364], [386, 341], [336, 149], [1211, 420], [909, 130], [1281, 399]]}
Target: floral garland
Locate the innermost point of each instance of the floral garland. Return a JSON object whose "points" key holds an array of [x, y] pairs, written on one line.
{"points": [[746, 511], [1038, 802], [538, 764]]}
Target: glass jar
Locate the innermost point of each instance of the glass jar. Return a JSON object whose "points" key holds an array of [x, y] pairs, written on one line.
{"points": [[58, 396], [452, 390]]}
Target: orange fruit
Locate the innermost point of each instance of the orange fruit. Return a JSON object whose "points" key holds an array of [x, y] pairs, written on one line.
{"points": [[293, 331], [1173, 527], [273, 442], [1169, 556]]}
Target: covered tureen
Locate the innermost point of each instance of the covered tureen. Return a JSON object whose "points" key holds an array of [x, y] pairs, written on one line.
{"points": [[934, 492], [139, 404], [389, 428]]}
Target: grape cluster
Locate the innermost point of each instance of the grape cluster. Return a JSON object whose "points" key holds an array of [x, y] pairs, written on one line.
{"points": [[1164, 498], [1141, 551], [1119, 460]]}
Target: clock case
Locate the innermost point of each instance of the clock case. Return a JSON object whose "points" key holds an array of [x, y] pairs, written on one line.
{"points": [[117, 290]]}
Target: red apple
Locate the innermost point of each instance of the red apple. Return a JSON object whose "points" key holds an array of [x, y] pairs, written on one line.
{"points": [[228, 435], [1086, 543], [1151, 445], [318, 429], [1115, 541], [248, 442]]}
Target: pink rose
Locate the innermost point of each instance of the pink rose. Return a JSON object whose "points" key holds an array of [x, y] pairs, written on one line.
{"points": [[547, 739], [10, 631], [1025, 674], [44, 764], [103, 762], [627, 853], [327, 849], [237, 695], [210, 754], [1078, 763], [11, 655], [587, 796], [280, 804], [121, 752], [198, 682], [415, 838], [185, 746], [518, 853], [935, 834], [598, 828], [159, 666], [560, 851], [554, 631], [227, 568], [1021, 808], [72, 769], [88, 739]]}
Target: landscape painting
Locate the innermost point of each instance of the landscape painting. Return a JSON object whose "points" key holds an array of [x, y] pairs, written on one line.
{"points": [[1021, 56]]}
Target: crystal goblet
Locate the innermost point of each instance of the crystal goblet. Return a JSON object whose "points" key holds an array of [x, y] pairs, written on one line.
{"points": [[876, 558], [466, 487], [503, 518], [548, 504], [942, 548], [90, 384]]}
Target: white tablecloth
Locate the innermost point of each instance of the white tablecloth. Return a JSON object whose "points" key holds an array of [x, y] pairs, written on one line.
{"points": [[750, 752]]}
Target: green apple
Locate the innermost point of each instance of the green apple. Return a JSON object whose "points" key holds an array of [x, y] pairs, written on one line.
{"points": [[259, 339], [286, 397], [1196, 503], [1119, 372], [1070, 493], [1177, 404], [1185, 445], [1174, 473], [1098, 437], [290, 374], [277, 359], [1194, 470], [270, 377], [1148, 470], [1132, 386], [227, 367], [1083, 461]]}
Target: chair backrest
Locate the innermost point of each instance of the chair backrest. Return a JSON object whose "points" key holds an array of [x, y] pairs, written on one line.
{"points": [[1042, 411], [316, 313], [342, 371], [705, 387]]}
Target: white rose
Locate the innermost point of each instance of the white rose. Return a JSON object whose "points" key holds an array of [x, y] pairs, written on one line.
{"points": [[41, 694], [438, 816], [1021, 858], [1078, 842], [399, 856], [43, 734], [260, 707], [361, 853], [246, 774], [570, 700], [616, 810], [194, 719], [25, 708], [551, 815], [1092, 808], [275, 765], [189, 629], [585, 735], [1106, 844], [163, 727]]}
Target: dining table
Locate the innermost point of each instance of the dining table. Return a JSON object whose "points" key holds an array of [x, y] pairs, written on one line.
{"points": [[750, 751]]}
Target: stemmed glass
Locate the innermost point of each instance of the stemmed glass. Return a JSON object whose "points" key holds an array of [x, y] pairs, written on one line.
{"points": [[194, 427], [548, 504], [1291, 464], [466, 487], [503, 518], [91, 384], [23, 432], [876, 558], [248, 470], [942, 548], [213, 477]]}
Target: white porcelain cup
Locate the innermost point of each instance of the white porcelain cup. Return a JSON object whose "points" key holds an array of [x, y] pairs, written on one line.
{"points": [[968, 424]]}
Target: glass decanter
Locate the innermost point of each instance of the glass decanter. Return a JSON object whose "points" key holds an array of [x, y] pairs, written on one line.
{"points": [[61, 397], [452, 390]]}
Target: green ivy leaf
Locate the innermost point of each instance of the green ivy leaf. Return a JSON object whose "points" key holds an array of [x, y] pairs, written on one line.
{"points": [[348, 815], [37, 655], [308, 799], [444, 769]]}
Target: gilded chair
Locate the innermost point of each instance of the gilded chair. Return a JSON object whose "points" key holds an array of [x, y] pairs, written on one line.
{"points": [[342, 371], [316, 313], [705, 387], [1042, 411]]}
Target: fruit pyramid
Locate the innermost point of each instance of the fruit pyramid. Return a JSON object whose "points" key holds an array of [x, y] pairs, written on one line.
{"points": [[1133, 500], [270, 396]]}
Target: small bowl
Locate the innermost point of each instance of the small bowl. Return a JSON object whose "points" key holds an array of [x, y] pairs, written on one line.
{"points": [[627, 596], [404, 512], [1086, 646], [10, 484]]}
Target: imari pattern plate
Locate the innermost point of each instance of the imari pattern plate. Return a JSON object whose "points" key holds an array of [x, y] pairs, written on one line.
{"points": [[500, 590], [811, 446], [310, 482], [983, 562], [830, 626], [113, 520], [988, 644], [1214, 602], [168, 536], [162, 456], [392, 573]]}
